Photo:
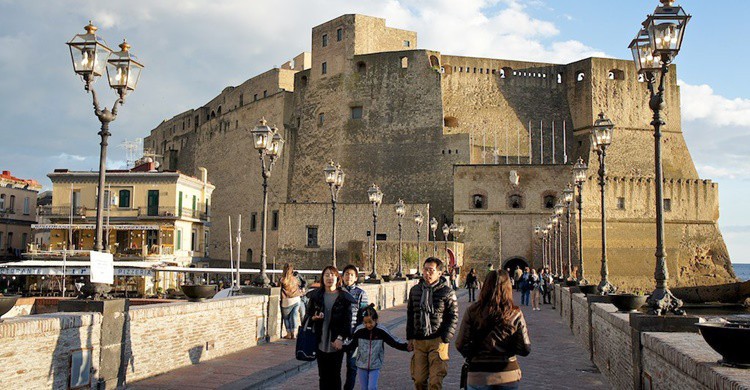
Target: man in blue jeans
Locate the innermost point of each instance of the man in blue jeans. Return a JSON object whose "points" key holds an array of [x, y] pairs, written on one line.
{"points": [[525, 287], [349, 279]]}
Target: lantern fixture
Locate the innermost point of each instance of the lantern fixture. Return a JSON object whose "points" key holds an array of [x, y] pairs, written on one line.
{"points": [[123, 70], [643, 54], [559, 207], [277, 143], [666, 27], [262, 135], [446, 231], [602, 132], [374, 195], [418, 218], [579, 171], [89, 54], [330, 172], [568, 194], [400, 208]]}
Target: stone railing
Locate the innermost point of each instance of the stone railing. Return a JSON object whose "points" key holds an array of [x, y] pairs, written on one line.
{"points": [[638, 351]]}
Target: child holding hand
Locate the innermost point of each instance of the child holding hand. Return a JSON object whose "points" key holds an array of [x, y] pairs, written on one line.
{"points": [[369, 339]]}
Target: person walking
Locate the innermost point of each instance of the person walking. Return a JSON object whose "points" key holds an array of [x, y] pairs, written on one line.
{"points": [[536, 289], [330, 310], [431, 319], [547, 286], [369, 340], [493, 332], [290, 300], [524, 287], [349, 280], [303, 298], [517, 277], [472, 283]]}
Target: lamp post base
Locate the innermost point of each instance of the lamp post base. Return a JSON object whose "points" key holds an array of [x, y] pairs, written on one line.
{"points": [[662, 302], [606, 288], [374, 279], [261, 280], [95, 291]]}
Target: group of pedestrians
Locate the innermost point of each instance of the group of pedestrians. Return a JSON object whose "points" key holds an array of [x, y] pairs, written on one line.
{"points": [[492, 333], [534, 284]]}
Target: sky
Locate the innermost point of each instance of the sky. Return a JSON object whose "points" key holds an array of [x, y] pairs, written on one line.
{"points": [[193, 49]]}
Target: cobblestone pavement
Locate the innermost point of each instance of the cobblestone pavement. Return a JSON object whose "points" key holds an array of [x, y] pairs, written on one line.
{"points": [[556, 361]]}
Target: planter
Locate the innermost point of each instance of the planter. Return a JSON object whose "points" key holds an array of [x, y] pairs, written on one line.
{"points": [[571, 282], [589, 289], [628, 302], [198, 292], [6, 303], [731, 340], [386, 278]]}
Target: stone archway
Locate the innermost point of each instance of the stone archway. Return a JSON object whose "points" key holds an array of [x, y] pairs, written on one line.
{"points": [[513, 262]]}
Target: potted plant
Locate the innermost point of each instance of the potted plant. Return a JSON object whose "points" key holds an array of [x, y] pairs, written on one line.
{"points": [[628, 302], [731, 339]]}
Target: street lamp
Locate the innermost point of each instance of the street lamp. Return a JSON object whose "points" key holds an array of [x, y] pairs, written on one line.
{"points": [[579, 176], [91, 57], [335, 179], [446, 231], [400, 212], [376, 198], [601, 135], [557, 252], [559, 211], [550, 259], [545, 259], [419, 219], [433, 227], [537, 235], [654, 48], [268, 143], [568, 199]]}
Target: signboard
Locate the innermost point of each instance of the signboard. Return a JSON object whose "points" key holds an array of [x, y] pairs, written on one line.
{"points": [[102, 268]]}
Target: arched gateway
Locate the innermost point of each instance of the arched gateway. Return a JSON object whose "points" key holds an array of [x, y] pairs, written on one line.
{"points": [[513, 262]]}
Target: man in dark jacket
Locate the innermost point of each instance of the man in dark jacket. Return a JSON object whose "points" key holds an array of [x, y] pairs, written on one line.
{"points": [[431, 320]]}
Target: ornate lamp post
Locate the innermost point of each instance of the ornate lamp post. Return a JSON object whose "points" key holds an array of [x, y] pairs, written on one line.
{"points": [[654, 48], [376, 198], [433, 227], [550, 258], [579, 176], [268, 143], [419, 219], [335, 179], [91, 55], [446, 231], [537, 235], [400, 212], [568, 199], [601, 135], [545, 258], [557, 253], [559, 211]]}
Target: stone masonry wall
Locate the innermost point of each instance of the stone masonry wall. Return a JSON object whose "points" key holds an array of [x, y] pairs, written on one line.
{"points": [[612, 345], [35, 350], [163, 337], [580, 324]]}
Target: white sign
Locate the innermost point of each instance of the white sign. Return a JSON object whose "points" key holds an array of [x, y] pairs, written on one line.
{"points": [[102, 268]]}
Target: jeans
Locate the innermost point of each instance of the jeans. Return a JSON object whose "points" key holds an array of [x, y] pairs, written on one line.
{"points": [[525, 297], [351, 371], [329, 369], [368, 379], [506, 386], [303, 300], [472, 294], [289, 315]]}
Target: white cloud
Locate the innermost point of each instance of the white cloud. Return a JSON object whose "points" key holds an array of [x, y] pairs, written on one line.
{"points": [[70, 157], [700, 102]]}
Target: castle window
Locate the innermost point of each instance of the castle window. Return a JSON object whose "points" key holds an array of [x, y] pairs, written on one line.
{"points": [[481, 70], [404, 62], [667, 204], [407, 44], [515, 201], [357, 112], [242, 100], [434, 61], [265, 93], [450, 121], [559, 78], [253, 221], [255, 97], [621, 203], [312, 236], [303, 81], [475, 70], [549, 201], [325, 40], [580, 76], [321, 119], [493, 71], [339, 34], [361, 67], [275, 220], [507, 72], [324, 69], [502, 73], [616, 74], [477, 201]]}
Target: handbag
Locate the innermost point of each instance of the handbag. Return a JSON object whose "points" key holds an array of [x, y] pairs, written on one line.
{"points": [[307, 344]]}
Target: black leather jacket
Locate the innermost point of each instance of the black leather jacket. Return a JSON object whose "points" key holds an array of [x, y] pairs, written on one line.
{"points": [[444, 318], [341, 313], [500, 343]]}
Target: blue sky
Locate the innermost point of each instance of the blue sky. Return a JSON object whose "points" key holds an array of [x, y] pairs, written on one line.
{"points": [[194, 48]]}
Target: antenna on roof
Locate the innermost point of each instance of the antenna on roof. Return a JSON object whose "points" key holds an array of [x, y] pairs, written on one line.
{"points": [[132, 149]]}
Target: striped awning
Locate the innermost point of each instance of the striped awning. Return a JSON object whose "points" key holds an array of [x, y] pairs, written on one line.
{"points": [[51, 226]]}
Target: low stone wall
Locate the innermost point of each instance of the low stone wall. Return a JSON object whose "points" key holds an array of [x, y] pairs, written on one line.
{"points": [[580, 325], [565, 308], [612, 346], [164, 337], [36, 351]]}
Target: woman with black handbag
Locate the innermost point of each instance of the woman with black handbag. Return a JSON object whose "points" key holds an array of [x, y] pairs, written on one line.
{"points": [[329, 309], [492, 333]]}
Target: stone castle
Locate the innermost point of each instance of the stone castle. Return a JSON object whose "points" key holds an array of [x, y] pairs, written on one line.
{"points": [[444, 133]]}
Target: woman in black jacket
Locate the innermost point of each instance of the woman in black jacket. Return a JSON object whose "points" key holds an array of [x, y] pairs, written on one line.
{"points": [[330, 310], [492, 333]]}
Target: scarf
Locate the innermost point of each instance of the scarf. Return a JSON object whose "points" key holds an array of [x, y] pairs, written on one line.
{"points": [[426, 308]]}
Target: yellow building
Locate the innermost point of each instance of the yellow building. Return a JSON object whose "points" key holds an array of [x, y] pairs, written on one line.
{"points": [[152, 219], [17, 214]]}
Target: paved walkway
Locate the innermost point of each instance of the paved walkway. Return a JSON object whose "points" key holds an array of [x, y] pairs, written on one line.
{"points": [[556, 362]]}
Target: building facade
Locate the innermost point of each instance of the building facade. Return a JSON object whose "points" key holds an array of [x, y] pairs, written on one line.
{"points": [[17, 214], [432, 128]]}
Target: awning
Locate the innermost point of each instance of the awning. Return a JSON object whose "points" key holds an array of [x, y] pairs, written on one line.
{"points": [[74, 268], [50, 226]]}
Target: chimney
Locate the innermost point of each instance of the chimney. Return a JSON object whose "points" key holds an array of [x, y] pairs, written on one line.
{"points": [[204, 174]]}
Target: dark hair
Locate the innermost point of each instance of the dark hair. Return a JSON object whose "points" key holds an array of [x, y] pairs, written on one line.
{"points": [[495, 303], [334, 271], [438, 263], [350, 267], [369, 311]]}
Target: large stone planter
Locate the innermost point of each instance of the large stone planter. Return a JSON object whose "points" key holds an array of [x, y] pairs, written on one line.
{"points": [[628, 302], [198, 292], [588, 289], [6, 303], [731, 340]]}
